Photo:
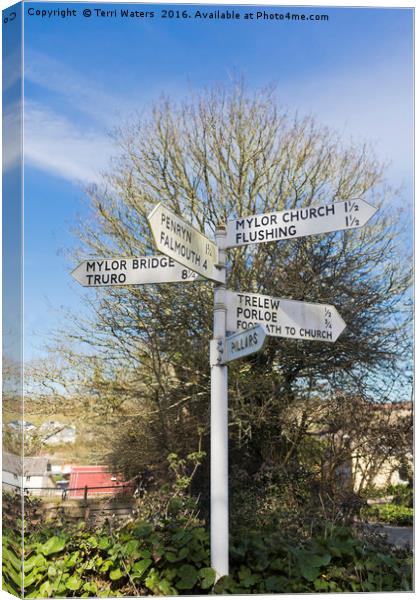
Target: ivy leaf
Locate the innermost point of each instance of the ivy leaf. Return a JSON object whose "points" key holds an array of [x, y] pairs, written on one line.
{"points": [[247, 579], [46, 590], [183, 553], [72, 560], [130, 547], [309, 564], [208, 576], [107, 564], [188, 577], [115, 574], [152, 579], [275, 584], [53, 545], [225, 585], [171, 557], [73, 583], [103, 543], [140, 567], [90, 586], [166, 589]]}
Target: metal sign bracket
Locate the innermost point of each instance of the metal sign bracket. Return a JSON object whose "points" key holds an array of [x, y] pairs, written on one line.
{"points": [[217, 352]]}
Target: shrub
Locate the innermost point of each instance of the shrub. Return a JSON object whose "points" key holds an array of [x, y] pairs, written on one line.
{"points": [[334, 562], [402, 494], [393, 514], [172, 557]]}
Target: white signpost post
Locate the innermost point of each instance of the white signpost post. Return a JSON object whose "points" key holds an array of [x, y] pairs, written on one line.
{"points": [[298, 222], [188, 255], [184, 243], [132, 271], [283, 318]]}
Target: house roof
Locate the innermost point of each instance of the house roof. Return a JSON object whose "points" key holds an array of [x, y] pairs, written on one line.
{"points": [[12, 463], [35, 465], [28, 465], [19, 424], [67, 431], [99, 477]]}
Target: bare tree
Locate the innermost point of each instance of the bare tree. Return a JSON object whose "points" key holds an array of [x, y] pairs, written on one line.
{"points": [[225, 154]]}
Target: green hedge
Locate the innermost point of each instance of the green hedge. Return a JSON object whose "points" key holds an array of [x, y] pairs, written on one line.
{"points": [[393, 514], [170, 558]]}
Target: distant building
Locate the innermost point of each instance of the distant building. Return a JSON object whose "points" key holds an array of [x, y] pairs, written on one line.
{"points": [[31, 473], [354, 464], [12, 472], [19, 424], [65, 435], [387, 470]]}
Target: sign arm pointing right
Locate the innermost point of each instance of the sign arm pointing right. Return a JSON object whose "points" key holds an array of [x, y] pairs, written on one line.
{"points": [[299, 222]]}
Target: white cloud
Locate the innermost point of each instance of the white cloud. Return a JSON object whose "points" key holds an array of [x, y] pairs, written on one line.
{"points": [[370, 102], [80, 92], [56, 145]]}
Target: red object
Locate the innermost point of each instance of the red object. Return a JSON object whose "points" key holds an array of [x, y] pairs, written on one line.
{"points": [[99, 480]]}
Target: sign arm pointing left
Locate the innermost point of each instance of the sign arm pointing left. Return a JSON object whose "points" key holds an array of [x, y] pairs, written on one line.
{"points": [[132, 271]]}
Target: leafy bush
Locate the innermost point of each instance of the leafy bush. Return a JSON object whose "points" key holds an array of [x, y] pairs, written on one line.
{"points": [[393, 514], [172, 558], [167, 552], [402, 494], [334, 562], [139, 559]]}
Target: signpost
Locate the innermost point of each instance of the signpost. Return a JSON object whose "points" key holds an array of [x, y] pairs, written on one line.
{"points": [[237, 345], [188, 255], [184, 243], [283, 318], [298, 222], [132, 271]]}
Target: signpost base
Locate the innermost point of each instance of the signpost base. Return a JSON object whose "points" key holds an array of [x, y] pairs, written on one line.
{"points": [[219, 505]]}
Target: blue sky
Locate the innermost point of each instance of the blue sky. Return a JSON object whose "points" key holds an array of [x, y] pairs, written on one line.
{"points": [[84, 75]]}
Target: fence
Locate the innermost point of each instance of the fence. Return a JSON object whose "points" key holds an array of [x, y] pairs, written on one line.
{"points": [[80, 493]]}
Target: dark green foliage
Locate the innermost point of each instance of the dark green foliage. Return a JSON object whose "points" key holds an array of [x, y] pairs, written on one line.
{"points": [[141, 558], [393, 514], [166, 551], [397, 511], [402, 494], [171, 558], [334, 562]]}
